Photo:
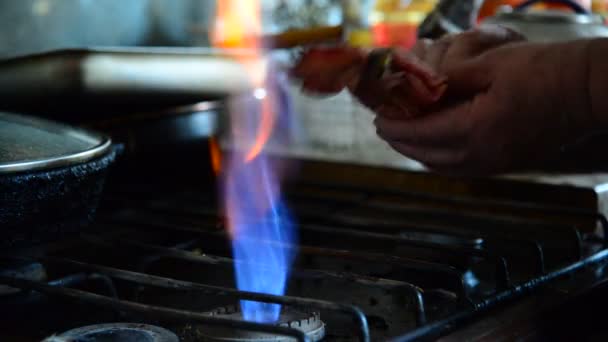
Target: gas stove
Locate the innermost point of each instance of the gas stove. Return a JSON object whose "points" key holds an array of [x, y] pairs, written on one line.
{"points": [[383, 255]]}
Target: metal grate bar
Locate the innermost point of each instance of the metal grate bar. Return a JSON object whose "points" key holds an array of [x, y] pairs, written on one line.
{"points": [[464, 231], [532, 245], [174, 213], [414, 291], [503, 277], [502, 272], [487, 223], [453, 216], [149, 310], [400, 262], [440, 328], [168, 283]]}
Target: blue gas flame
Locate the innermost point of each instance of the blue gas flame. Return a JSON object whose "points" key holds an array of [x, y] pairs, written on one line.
{"points": [[259, 221]]}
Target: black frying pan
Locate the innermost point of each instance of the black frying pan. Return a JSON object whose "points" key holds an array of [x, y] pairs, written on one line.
{"points": [[51, 177]]}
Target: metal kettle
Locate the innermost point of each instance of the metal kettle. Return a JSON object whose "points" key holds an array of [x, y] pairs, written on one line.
{"points": [[551, 25]]}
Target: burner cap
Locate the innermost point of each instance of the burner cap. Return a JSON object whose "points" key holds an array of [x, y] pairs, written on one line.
{"points": [[308, 322], [123, 332]]}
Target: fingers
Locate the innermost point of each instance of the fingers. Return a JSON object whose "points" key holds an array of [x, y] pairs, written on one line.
{"points": [[444, 139], [328, 70], [321, 86], [409, 85], [435, 158], [460, 57], [499, 34], [421, 47], [447, 126], [411, 63], [475, 42], [439, 140], [435, 54], [468, 78], [453, 161]]}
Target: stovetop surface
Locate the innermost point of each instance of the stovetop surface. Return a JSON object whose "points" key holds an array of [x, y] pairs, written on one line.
{"points": [[373, 260]]}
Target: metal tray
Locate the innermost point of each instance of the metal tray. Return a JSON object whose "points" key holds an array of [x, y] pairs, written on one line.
{"points": [[127, 76]]}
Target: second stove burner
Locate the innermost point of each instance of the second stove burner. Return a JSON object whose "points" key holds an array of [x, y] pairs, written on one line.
{"points": [[119, 332]]}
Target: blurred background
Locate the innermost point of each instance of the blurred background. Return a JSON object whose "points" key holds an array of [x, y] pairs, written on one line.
{"points": [[336, 127], [38, 25]]}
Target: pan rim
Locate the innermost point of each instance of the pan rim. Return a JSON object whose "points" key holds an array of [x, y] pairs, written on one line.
{"points": [[100, 145], [60, 161]]}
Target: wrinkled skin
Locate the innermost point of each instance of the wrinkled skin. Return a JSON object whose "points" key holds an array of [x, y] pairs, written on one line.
{"points": [[511, 105], [405, 90]]}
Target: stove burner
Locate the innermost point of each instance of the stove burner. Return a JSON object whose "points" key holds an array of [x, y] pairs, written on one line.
{"points": [[308, 322], [123, 332]]}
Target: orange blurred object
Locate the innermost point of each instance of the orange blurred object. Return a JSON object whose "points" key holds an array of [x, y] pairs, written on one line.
{"points": [[395, 22], [238, 24], [216, 155], [600, 7], [394, 34]]}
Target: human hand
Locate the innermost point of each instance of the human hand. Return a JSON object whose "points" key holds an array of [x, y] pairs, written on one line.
{"points": [[393, 81], [509, 104]]}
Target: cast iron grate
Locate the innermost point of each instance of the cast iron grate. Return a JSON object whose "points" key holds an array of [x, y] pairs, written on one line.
{"points": [[377, 264]]}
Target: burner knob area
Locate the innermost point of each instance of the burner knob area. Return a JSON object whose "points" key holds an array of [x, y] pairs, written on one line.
{"points": [[123, 332], [308, 322]]}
